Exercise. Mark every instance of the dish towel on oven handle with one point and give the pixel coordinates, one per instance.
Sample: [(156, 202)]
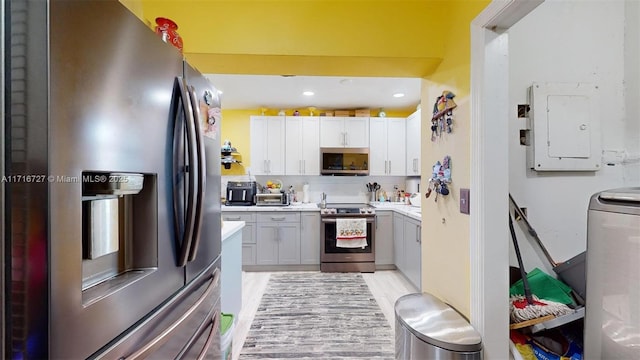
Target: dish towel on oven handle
[(351, 233)]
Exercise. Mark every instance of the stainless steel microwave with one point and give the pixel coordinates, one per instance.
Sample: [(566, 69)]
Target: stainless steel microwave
[(344, 161)]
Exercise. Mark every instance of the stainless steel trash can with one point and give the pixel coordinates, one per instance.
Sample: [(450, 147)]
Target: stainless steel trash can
[(427, 328)]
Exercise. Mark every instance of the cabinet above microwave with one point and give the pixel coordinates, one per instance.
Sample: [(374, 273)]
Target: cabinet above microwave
[(344, 132), (344, 161)]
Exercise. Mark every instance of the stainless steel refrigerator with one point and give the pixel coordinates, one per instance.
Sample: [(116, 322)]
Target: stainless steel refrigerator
[(110, 188)]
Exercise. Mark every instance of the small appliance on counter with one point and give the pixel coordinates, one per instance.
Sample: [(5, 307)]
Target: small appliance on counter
[(241, 193), (272, 199)]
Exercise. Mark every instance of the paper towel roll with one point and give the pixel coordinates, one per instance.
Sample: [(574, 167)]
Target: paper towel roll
[(412, 185), (305, 193)]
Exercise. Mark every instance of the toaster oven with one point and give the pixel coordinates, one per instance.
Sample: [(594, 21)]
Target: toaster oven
[(272, 199)]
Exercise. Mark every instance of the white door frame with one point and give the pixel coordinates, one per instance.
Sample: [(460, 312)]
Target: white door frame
[(489, 237)]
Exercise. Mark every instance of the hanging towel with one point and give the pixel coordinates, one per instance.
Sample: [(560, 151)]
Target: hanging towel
[(351, 233)]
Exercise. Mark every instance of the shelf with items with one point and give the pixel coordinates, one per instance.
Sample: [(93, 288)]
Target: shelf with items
[(229, 155), (228, 160)]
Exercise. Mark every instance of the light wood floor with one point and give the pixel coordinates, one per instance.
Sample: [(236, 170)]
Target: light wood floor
[(386, 287)]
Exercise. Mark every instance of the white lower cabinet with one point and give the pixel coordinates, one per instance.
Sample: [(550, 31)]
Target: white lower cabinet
[(398, 241), (413, 251), (278, 238), (309, 238), (248, 234), (249, 254), (384, 238)]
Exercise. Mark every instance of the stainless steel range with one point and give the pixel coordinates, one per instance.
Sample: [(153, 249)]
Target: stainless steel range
[(335, 256)]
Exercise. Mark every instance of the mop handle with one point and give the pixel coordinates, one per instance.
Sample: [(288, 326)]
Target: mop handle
[(533, 232), (523, 273)]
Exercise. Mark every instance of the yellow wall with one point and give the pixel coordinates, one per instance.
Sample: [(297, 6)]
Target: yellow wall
[(349, 37), (136, 7), (235, 127), (445, 231)]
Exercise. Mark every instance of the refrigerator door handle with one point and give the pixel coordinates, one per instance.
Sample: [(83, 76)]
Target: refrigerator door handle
[(185, 236), (210, 337), (201, 171), (144, 351)]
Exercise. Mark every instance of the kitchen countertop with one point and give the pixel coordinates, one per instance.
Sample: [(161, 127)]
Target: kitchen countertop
[(292, 207), (408, 210), (231, 227)]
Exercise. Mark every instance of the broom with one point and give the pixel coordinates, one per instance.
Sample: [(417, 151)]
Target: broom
[(529, 307)]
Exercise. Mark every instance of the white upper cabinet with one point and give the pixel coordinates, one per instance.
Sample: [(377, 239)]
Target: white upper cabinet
[(267, 145), (413, 143), (387, 151), (302, 145), (344, 132)]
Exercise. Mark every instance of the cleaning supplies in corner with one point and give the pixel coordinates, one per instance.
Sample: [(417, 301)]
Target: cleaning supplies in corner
[(544, 286), (529, 309)]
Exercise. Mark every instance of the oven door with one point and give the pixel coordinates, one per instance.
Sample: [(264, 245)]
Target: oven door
[(331, 253)]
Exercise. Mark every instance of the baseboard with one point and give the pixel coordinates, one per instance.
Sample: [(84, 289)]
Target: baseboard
[(386, 267), (257, 268)]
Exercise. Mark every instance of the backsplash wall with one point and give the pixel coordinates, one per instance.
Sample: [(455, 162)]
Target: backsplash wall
[(339, 189)]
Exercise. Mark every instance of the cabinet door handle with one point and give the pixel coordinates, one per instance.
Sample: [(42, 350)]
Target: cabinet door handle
[(389, 167), (304, 166), (385, 166), (232, 218), (280, 218), (264, 166), (346, 139)]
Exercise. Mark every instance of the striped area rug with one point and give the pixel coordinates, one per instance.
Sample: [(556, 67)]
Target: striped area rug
[(314, 315)]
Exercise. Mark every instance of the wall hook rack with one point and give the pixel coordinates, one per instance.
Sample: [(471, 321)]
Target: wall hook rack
[(440, 177), (442, 119)]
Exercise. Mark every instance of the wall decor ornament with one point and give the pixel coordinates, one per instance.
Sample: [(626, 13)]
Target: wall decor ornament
[(440, 177), (442, 119)]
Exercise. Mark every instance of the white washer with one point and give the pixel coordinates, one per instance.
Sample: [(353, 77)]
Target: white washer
[(612, 320)]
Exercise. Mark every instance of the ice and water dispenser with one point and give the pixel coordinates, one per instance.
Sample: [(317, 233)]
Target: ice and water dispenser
[(119, 240)]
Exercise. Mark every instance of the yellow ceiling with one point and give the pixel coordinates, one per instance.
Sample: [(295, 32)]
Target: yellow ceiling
[(310, 37)]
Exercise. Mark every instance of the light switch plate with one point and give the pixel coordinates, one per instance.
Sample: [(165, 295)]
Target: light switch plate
[(464, 201)]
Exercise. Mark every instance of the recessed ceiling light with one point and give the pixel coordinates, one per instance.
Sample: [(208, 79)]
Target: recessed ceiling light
[(398, 95), (308, 93)]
